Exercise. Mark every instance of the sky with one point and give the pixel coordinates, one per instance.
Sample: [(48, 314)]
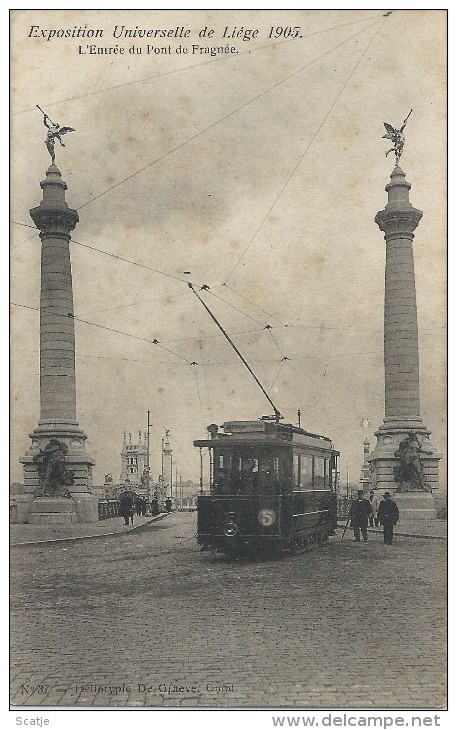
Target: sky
[(260, 173)]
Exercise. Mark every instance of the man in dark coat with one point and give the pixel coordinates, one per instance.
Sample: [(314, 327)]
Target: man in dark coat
[(388, 516), (126, 504), (359, 512)]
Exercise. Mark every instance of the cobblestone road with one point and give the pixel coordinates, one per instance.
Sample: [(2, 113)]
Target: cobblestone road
[(351, 625)]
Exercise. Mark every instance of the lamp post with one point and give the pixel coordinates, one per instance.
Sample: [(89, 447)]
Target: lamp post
[(148, 470), (162, 460)]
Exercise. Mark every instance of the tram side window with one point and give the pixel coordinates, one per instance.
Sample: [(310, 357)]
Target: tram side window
[(319, 477), (306, 479), (327, 480), (222, 467), (296, 474)]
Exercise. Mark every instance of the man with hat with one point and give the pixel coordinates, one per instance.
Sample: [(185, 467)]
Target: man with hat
[(374, 509), (388, 516), (359, 512)]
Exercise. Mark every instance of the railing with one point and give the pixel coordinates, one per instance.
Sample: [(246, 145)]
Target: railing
[(108, 508)]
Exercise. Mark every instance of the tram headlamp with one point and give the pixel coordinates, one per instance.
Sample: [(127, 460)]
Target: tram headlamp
[(230, 529), (266, 517)]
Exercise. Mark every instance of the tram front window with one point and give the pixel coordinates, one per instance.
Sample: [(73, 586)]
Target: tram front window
[(247, 473), (247, 478)]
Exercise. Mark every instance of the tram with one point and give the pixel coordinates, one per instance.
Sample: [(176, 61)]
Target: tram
[(272, 487)]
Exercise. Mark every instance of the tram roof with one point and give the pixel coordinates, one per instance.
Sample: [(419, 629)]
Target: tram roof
[(262, 432)]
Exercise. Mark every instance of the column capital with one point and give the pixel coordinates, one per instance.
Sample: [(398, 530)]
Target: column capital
[(53, 216), (398, 218), (398, 223), (54, 221)]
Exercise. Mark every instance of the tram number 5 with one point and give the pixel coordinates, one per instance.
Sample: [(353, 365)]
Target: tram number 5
[(285, 32)]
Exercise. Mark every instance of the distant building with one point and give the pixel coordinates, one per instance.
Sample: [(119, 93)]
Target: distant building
[(133, 459), (134, 474), (365, 478), (167, 463)]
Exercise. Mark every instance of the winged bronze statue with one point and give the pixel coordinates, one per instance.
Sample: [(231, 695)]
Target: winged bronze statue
[(55, 131), (397, 137)]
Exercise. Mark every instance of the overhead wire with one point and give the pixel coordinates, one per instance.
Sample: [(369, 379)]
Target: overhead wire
[(254, 304), (277, 414), (133, 304), (268, 329), (180, 278), (29, 238), (192, 66), (284, 360), (359, 61), (221, 119), (194, 365), (104, 327), (208, 289), (225, 283), (291, 174), (116, 256)]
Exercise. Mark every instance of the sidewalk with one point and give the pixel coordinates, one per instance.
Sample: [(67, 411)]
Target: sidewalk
[(35, 534), (429, 529)]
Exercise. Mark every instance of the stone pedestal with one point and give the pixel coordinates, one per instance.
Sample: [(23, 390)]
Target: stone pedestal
[(84, 505), (52, 511), (414, 504)]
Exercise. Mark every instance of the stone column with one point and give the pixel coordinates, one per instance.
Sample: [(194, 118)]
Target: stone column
[(402, 434), (167, 453), (365, 482), (58, 430)]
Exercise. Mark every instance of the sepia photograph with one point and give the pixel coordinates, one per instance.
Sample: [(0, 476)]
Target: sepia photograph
[(228, 374)]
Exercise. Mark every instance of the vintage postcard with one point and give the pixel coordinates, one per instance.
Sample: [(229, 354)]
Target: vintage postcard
[(228, 479)]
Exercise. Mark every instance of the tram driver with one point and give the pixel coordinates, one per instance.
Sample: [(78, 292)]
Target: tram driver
[(221, 482), (247, 480)]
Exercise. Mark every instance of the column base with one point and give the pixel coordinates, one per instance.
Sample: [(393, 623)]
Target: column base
[(415, 505), (38, 508), (418, 503), (52, 511)]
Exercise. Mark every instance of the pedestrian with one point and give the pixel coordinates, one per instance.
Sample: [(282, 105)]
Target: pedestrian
[(126, 505), (374, 509), (359, 512), (388, 515)]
